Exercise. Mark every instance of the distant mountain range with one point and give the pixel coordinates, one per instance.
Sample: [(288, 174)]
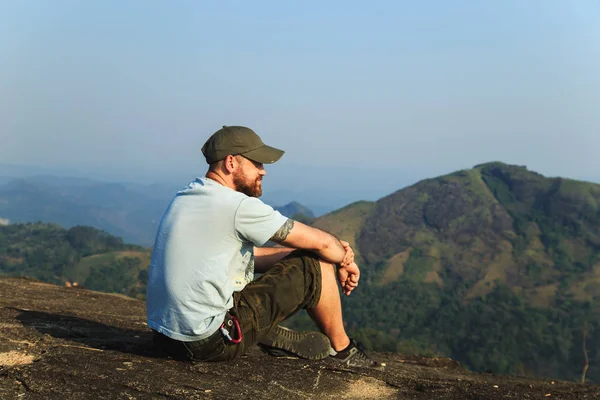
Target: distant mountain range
[(321, 189), (296, 210), (495, 266), (131, 211)]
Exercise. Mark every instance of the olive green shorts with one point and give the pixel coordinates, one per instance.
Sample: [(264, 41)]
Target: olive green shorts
[(292, 284)]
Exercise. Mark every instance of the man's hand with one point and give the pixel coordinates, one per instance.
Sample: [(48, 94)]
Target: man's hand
[(349, 257), (348, 277)]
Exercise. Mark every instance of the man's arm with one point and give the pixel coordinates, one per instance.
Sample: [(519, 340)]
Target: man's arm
[(326, 246), (300, 236), (266, 257)]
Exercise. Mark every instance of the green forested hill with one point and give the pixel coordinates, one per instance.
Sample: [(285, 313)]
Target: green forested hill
[(496, 266), (89, 257), (494, 223)]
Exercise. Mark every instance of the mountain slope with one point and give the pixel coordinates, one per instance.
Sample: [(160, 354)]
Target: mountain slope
[(492, 223), (496, 266), (83, 255), (346, 222), (295, 210)]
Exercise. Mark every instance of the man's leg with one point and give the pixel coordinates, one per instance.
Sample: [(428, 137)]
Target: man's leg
[(328, 315), (299, 281), (328, 312), (294, 283)]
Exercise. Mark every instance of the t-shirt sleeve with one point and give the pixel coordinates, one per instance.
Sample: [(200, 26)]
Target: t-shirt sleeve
[(256, 221)]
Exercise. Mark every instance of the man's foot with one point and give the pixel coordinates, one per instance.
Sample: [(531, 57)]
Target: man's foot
[(281, 341), (355, 356)]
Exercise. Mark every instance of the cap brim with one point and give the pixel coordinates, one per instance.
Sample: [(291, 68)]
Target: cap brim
[(265, 154)]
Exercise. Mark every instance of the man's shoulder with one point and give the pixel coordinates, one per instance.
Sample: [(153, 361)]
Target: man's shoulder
[(223, 197), (207, 187)]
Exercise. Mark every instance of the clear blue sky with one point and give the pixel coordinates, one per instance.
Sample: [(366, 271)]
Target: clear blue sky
[(387, 92)]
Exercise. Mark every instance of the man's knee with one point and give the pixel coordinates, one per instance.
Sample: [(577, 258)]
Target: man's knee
[(304, 268), (310, 260)]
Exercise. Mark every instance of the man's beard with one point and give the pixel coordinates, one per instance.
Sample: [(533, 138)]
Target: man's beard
[(246, 186)]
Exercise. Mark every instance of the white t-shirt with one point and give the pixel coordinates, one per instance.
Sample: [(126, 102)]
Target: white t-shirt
[(203, 252)]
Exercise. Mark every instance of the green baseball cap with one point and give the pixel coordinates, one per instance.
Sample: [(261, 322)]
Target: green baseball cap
[(239, 140)]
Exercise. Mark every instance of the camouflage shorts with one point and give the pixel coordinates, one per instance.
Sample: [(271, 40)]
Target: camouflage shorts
[(294, 283)]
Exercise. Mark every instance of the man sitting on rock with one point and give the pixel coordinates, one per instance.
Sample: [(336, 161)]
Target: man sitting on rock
[(202, 301)]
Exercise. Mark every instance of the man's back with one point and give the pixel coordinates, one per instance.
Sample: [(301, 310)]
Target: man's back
[(200, 258)]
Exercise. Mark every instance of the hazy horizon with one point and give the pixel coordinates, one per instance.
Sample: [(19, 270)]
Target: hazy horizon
[(320, 196)]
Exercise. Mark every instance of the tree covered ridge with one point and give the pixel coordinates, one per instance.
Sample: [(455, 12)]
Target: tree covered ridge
[(497, 267), (495, 222), (91, 257)]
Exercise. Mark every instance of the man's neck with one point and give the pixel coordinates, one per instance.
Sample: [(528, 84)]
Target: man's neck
[(217, 178)]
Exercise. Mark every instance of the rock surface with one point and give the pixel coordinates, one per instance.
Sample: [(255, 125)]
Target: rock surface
[(67, 343)]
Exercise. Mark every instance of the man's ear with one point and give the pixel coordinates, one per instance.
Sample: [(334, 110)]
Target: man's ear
[(230, 163)]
